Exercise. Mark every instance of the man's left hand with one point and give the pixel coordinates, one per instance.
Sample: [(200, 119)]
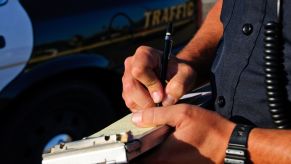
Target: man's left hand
[(200, 136)]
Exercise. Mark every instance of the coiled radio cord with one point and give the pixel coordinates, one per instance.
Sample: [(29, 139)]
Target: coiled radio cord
[(275, 79)]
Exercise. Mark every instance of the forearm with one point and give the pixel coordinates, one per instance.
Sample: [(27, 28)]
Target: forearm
[(200, 50), (270, 146)]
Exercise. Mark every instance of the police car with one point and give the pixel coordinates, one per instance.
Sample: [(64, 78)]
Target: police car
[(61, 63)]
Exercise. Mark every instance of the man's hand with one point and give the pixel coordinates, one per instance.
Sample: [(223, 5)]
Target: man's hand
[(141, 85), (200, 136)]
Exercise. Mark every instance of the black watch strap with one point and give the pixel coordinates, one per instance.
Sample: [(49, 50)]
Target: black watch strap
[(236, 152)]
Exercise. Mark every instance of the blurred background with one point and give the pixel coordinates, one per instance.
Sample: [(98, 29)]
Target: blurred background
[(61, 63)]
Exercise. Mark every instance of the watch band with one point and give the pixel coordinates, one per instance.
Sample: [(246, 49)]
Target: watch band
[(236, 152)]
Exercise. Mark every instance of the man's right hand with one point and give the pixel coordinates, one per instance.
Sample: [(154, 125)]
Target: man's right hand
[(141, 85)]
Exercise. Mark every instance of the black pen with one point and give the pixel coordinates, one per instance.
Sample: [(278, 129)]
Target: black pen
[(166, 56)]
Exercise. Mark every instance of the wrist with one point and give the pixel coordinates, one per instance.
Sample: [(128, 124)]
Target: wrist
[(200, 60), (217, 140), (225, 133), (237, 149), (188, 54)]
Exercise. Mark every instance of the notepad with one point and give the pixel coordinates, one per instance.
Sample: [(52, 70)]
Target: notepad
[(124, 125)]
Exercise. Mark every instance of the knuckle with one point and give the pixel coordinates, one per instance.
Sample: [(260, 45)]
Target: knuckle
[(123, 79), (124, 96), (130, 104), (142, 50), (128, 87), (144, 53), (185, 112), (127, 62), (128, 82), (176, 88), (187, 70), (137, 72)]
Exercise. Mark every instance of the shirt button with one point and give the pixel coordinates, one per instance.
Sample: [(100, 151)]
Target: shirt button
[(247, 29), (220, 101)]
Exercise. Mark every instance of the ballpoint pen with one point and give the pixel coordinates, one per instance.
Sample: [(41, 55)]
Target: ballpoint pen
[(166, 55)]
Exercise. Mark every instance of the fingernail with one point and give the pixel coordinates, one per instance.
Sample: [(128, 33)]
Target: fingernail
[(169, 100), (156, 97), (136, 117)]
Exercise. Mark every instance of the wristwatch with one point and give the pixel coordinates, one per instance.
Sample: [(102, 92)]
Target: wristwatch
[(237, 152)]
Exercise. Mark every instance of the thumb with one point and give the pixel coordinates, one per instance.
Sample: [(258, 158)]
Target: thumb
[(181, 82), (158, 116)]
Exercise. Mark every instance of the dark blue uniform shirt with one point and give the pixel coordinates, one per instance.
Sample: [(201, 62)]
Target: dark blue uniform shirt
[(239, 65)]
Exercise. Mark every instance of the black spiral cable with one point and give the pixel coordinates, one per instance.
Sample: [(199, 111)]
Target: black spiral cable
[(275, 79)]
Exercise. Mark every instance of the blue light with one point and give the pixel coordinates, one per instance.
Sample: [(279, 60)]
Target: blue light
[(61, 138)]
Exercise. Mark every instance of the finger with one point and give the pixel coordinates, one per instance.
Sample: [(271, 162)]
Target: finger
[(131, 105), (134, 94), (145, 63), (180, 83), (172, 116)]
